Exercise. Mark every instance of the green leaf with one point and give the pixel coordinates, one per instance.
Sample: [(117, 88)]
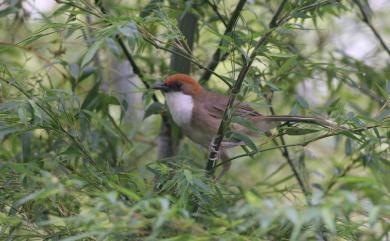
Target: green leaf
[(328, 218), (300, 15), (280, 55), (5, 130), (334, 105), (302, 102), (22, 114), (91, 100), (387, 87), (74, 70), (91, 53), (154, 108), (373, 216), (7, 220), (245, 123), (245, 139), (29, 197), (61, 10), (87, 71), (81, 236), (295, 131), (286, 66), (26, 145), (199, 183), (150, 7), (129, 30), (350, 135), (7, 11), (129, 193), (29, 40), (36, 108), (188, 175), (348, 147), (111, 44)]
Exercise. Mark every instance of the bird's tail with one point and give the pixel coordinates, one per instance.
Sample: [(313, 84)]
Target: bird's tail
[(294, 118)]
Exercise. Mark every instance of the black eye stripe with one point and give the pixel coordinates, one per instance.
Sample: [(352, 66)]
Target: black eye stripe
[(175, 86)]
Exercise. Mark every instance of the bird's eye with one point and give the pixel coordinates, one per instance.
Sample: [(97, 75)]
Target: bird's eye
[(176, 86)]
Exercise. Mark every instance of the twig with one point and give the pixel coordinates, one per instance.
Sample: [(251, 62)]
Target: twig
[(61, 128), (275, 18), (302, 144), (217, 57), (217, 140), (122, 134), (157, 46), (286, 153), (366, 19), (217, 54), (333, 180), (37, 54), (215, 9), (88, 39), (145, 37), (70, 3), (365, 90), (127, 53), (187, 23)]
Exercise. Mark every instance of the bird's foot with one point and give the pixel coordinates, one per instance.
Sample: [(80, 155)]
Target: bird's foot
[(225, 168), (217, 155), (213, 149)]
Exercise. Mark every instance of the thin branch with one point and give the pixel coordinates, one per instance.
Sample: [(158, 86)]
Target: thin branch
[(302, 144), (62, 130), (125, 138), (334, 178), (366, 19), (147, 39), (284, 149), (217, 140), (217, 57), (275, 18), (127, 53), (157, 46), (217, 54), (37, 54), (71, 3), (215, 9), (365, 90), (187, 24)]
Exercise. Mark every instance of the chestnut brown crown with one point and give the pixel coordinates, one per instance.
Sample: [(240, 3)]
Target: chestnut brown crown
[(180, 82)]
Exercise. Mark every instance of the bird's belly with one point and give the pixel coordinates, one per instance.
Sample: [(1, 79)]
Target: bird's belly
[(198, 136)]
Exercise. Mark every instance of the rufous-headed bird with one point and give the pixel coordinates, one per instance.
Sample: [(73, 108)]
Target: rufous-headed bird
[(198, 112)]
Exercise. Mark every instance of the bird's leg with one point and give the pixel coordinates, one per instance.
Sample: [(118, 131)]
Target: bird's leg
[(222, 154), (225, 165), (212, 158)]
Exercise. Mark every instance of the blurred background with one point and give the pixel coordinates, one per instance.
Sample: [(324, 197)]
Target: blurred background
[(89, 151)]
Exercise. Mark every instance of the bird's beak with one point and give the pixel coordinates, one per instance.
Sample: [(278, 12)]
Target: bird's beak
[(160, 86)]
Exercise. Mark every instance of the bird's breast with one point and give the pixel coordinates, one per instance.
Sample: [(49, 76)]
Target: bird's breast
[(180, 105)]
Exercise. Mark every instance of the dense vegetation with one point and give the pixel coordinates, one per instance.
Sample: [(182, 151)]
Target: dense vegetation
[(89, 150)]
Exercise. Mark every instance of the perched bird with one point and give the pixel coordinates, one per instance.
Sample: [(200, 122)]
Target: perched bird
[(198, 112)]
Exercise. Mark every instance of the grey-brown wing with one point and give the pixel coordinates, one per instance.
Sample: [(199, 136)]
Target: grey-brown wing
[(217, 105)]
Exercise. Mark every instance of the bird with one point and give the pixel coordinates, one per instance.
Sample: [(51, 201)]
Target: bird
[(198, 112)]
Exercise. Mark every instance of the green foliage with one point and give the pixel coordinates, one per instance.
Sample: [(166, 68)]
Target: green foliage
[(77, 158)]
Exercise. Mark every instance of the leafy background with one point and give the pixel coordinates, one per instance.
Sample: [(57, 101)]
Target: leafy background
[(89, 152)]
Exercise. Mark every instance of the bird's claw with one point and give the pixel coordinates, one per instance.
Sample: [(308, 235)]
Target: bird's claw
[(213, 149)]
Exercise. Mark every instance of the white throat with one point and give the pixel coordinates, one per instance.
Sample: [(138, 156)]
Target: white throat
[(180, 105)]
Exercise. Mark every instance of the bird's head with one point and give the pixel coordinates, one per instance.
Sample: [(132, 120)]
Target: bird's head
[(179, 83)]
